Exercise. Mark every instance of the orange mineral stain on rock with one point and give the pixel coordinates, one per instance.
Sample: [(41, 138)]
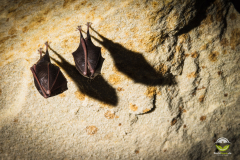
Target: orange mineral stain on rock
[(151, 91), (91, 130), (194, 55), (120, 89), (172, 20), (5, 39), (62, 95), (47, 10), (162, 69), (233, 16), (234, 39), (202, 118), (134, 29), (201, 98), (67, 3), (114, 79), (133, 107), (159, 93), (109, 115), (213, 56), (146, 110), (174, 121), (178, 48), (79, 95), (80, 5), (7, 58), (192, 75), (65, 44), (12, 31), (201, 88), (224, 52), (219, 73), (180, 109), (207, 21), (204, 47), (183, 38), (224, 42), (105, 105), (23, 44), (136, 151), (34, 23)]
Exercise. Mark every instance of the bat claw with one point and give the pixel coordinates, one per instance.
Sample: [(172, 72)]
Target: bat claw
[(40, 50), (89, 24), (46, 43), (79, 28)]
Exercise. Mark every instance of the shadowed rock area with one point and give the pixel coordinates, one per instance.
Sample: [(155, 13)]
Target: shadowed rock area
[(169, 86)]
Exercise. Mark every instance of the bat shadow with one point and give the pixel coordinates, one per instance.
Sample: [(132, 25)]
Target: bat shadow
[(133, 64), (236, 5), (98, 88)]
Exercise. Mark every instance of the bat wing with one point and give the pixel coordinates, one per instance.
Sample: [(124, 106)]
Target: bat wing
[(94, 54), (48, 79), (57, 81), (80, 57), (37, 83)]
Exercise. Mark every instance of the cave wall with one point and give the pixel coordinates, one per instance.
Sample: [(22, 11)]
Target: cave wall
[(169, 85)]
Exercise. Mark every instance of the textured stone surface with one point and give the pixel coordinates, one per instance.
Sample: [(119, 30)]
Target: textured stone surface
[(169, 86)]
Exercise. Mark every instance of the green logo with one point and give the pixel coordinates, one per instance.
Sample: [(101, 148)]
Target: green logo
[(222, 149), (225, 143)]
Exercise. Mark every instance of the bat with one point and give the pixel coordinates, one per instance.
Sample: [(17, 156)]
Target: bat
[(87, 57), (48, 78)]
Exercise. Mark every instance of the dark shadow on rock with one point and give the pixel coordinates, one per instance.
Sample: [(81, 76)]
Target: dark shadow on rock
[(98, 88), (133, 64), (201, 6), (236, 4)]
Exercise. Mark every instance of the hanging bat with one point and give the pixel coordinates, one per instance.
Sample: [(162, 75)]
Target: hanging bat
[(87, 57), (48, 78)]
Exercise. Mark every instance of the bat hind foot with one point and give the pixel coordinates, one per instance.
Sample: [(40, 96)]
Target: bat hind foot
[(79, 28), (89, 24), (40, 50)]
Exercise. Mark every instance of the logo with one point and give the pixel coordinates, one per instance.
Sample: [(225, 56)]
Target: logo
[(222, 145)]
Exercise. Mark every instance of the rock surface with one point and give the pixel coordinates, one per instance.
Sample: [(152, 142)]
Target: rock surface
[(169, 88)]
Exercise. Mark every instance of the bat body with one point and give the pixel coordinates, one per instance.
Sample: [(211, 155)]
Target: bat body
[(48, 78), (87, 57)]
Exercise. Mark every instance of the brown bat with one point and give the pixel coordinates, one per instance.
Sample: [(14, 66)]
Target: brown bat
[(87, 57), (48, 78)]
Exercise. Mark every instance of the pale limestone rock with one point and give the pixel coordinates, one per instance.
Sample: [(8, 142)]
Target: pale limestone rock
[(169, 86)]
